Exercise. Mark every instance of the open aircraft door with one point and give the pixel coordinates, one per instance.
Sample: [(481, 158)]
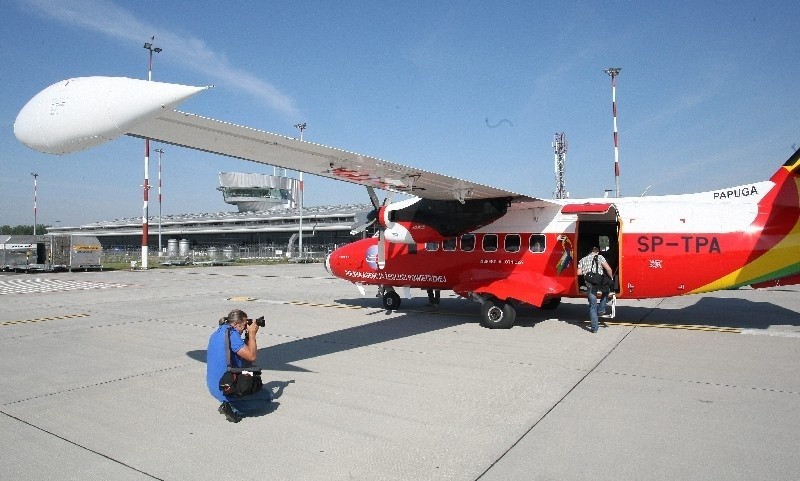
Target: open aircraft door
[(597, 225)]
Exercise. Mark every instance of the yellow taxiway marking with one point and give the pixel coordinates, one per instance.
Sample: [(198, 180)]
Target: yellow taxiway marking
[(686, 327), (42, 319), (316, 304)]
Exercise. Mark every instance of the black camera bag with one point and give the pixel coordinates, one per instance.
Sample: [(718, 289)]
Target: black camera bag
[(239, 381)]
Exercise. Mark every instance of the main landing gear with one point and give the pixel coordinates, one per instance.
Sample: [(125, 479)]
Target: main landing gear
[(497, 314)]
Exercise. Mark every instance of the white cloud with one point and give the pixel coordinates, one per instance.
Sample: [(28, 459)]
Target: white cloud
[(109, 19)]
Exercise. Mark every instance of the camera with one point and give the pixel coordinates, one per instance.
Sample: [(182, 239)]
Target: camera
[(259, 322)]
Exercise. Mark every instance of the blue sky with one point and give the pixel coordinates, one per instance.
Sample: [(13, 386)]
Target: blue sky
[(707, 97)]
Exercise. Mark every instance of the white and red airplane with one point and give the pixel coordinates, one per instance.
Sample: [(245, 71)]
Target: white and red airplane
[(490, 245)]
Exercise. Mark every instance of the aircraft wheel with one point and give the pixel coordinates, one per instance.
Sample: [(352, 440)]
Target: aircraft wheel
[(551, 303), (391, 301), (497, 314)]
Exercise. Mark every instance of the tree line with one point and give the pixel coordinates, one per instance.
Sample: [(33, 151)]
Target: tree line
[(23, 229)]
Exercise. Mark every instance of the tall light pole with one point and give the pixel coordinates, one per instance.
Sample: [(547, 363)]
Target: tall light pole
[(613, 72), (301, 127), (160, 152), (35, 175), (146, 186)]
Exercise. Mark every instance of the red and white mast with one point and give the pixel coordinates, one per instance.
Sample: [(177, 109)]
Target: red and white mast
[(146, 186), (613, 72)]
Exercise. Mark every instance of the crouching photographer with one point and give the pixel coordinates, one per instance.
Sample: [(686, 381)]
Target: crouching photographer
[(229, 360)]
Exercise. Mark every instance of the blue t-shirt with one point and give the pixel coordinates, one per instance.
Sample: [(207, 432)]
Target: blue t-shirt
[(216, 362)]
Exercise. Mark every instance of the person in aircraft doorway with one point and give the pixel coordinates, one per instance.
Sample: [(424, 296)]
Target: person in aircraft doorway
[(594, 267), (433, 297)]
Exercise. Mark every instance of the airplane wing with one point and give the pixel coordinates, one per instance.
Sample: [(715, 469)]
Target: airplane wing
[(209, 135), (80, 113)]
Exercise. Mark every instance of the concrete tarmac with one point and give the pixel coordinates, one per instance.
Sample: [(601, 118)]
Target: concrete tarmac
[(103, 377)]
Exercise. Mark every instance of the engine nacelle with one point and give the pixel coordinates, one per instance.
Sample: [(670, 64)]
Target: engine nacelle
[(417, 221)]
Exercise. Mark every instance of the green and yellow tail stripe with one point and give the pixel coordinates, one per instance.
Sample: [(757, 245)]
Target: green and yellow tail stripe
[(771, 264), (793, 164)]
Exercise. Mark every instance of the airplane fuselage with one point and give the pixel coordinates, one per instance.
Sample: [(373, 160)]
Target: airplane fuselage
[(658, 246)]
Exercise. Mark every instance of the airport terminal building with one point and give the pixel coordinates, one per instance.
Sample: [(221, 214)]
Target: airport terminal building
[(323, 228), (268, 216)]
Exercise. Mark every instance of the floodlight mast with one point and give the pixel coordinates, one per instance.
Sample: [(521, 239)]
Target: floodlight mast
[(301, 127), (35, 175), (613, 72), (146, 186), (160, 152)]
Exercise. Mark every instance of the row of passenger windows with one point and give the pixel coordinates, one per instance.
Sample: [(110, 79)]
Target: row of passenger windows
[(489, 243)]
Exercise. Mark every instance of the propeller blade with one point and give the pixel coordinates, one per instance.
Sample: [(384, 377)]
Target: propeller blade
[(381, 250), (361, 289), (373, 197), (363, 220)]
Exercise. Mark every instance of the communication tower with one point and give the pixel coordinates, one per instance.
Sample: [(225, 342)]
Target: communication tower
[(560, 151)]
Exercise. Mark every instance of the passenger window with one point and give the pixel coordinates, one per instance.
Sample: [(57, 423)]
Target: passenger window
[(604, 243), (468, 242), (431, 246), (489, 242), (512, 242), (449, 244), (537, 243)]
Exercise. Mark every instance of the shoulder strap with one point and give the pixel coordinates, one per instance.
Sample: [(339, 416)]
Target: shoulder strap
[(594, 263), (228, 346)]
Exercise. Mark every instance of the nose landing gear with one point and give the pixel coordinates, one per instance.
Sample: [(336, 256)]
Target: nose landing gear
[(391, 299)]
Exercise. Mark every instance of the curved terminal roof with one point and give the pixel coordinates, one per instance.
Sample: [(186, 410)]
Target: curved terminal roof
[(322, 218)]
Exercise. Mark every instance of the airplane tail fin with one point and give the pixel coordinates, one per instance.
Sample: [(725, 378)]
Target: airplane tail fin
[(779, 264), (792, 165)]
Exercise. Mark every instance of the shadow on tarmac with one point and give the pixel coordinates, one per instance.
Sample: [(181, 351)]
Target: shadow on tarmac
[(260, 403), (416, 319), (280, 357)]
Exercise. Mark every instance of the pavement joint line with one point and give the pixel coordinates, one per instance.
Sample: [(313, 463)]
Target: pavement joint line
[(43, 319), (557, 404), (705, 383), (99, 383), (27, 423)]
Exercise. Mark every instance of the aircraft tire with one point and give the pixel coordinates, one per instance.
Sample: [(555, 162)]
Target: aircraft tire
[(496, 314), (551, 303), (391, 301)]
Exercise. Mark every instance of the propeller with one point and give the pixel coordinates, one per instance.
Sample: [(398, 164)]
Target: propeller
[(364, 220)]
